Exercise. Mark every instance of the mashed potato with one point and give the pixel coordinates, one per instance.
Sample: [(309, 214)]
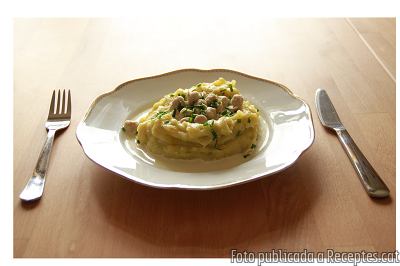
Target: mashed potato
[(208, 121)]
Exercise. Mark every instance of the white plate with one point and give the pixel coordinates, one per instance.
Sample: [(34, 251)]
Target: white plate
[(287, 124)]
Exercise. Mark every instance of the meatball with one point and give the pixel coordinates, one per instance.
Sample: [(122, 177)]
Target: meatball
[(211, 113), (210, 98), (220, 108), (224, 100), (175, 103), (237, 100), (193, 97), (131, 126), (185, 111), (200, 102), (201, 119)]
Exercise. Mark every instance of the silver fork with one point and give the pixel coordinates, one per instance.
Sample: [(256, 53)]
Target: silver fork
[(59, 118)]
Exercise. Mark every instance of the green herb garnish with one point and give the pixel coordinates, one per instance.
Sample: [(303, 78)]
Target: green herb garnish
[(214, 103), (253, 146), (230, 87), (246, 155), (180, 107), (161, 113), (123, 128), (209, 124), (216, 139), (239, 133), (239, 120), (201, 106), (249, 120), (214, 134)]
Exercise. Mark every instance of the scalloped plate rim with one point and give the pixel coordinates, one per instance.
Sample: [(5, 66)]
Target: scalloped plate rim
[(142, 181)]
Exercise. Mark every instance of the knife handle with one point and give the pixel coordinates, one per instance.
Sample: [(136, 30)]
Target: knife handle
[(373, 184)]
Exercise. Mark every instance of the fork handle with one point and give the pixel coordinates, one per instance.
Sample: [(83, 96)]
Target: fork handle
[(34, 188), (372, 182)]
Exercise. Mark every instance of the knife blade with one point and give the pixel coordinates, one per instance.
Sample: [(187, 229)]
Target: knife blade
[(373, 184)]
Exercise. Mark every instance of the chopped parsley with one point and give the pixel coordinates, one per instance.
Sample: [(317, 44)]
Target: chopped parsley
[(249, 120), (201, 106), (180, 107), (239, 120), (253, 146), (214, 134), (216, 139), (161, 113), (183, 95), (214, 103), (229, 114), (210, 124)]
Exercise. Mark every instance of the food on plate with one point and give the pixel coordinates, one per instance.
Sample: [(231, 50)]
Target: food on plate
[(208, 121)]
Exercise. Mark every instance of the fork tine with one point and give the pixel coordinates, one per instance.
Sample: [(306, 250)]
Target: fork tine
[(69, 104), (63, 108), (58, 102), (51, 110), (63, 103)]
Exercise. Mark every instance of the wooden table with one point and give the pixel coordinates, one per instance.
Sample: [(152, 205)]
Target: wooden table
[(317, 204)]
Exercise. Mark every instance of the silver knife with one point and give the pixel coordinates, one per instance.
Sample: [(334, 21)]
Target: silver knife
[(373, 184)]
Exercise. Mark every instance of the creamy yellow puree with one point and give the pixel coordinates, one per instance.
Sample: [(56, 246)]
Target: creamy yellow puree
[(169, 129)]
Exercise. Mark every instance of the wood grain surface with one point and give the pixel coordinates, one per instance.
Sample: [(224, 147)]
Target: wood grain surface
[(317, 204)]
